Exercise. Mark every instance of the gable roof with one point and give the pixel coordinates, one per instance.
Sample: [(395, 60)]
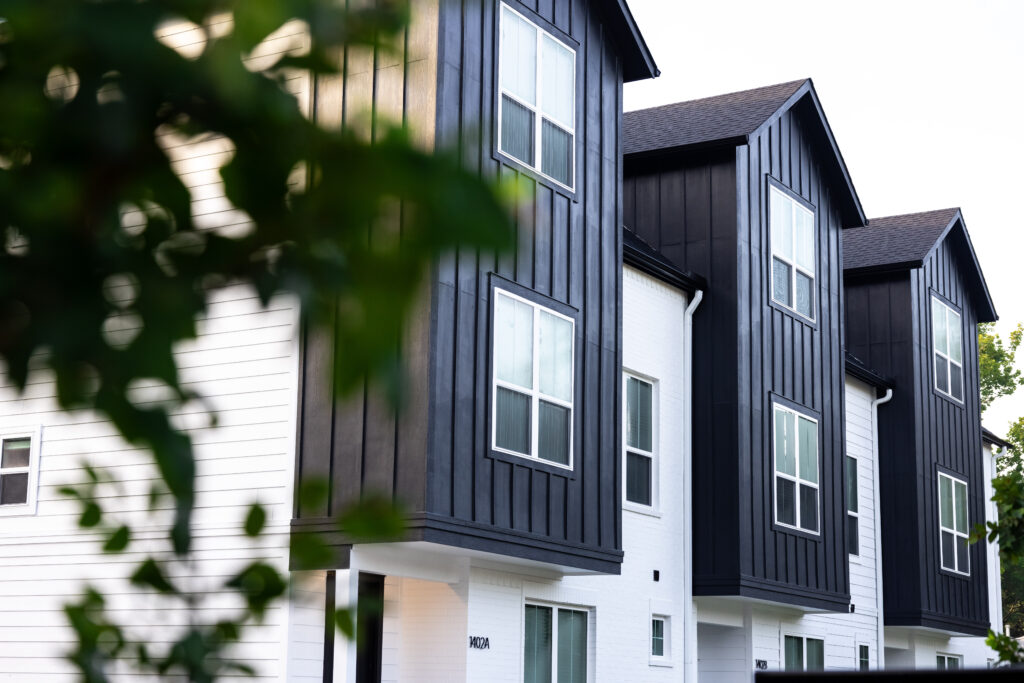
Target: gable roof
[(733, 119), (904, 242), (637, 61)]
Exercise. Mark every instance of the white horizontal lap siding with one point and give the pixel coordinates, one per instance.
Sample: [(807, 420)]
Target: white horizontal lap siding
[(245, 362)]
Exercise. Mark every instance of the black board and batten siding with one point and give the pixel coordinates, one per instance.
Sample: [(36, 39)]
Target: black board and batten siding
[(706, 210), (921, 433), (437, 459)]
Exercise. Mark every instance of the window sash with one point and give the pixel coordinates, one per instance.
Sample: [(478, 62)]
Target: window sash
[(799, 477), (28, 472), (863, 657), (801, 259), (541, 111), (659, 636), (951, 337), (953, 509), (534, 393), (852, 506), (639, 439), (563, 656)]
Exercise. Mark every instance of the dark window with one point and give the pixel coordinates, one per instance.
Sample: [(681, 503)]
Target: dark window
[(852, 511), (639, 430), (15, 462)]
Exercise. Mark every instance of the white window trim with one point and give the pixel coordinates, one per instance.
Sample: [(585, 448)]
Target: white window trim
[(538, 124), (959, 659), (665, 659), (555, 606), (946, 356), (851, 513), (654, 508), (802, 636), (856, 655), (796, 479), (534, 393), (956, 534), (34, 434), (793, 267)]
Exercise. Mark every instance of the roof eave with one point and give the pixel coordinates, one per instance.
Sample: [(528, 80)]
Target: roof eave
[(990, 437), (686, 149), (987, 314), (637, 60), (650, 261), (882, 268), (856, 368)]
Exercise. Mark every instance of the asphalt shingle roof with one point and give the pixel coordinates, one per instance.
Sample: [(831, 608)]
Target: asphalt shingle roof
[(705, 120), (894, 239)]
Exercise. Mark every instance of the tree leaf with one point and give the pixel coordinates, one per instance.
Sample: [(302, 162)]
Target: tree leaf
[(255, 520)]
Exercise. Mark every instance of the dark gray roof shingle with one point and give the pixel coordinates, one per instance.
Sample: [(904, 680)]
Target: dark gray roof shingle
[(895, 239), (706, 120)]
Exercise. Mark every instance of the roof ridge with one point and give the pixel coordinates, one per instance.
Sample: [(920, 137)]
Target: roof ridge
[(796, 83), (932, 212)]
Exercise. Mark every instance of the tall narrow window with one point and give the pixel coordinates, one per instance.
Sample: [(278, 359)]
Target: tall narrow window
[(793, 253), (948, 350), (953, 524), (533, 380), (19, 464), (852, 507), (639, 429), (804, 654), (863, 657), (796, 470), (537, 107), (555, 645)]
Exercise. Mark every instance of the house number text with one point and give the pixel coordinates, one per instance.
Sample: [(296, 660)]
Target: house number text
[(479, 643)]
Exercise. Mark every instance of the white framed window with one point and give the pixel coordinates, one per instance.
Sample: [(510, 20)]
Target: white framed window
[(947, 347), (537, 104), (945, 661), (793, 252), (953, 524), (804, 653), (555, 644), (852, 507), (532, 380), (796, 469), (638, 434), (863, 657), (19, 471), (661, 639)]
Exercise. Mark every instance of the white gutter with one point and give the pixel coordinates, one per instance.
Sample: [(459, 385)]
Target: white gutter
[(880, 636), (689, 611)]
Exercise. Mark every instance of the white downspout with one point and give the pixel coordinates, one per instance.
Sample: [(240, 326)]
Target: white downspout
[(880, 646), (689, 612)]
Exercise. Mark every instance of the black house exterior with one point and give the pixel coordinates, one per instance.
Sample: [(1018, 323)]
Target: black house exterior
[(750, 191), (489, 456), (915, 294)]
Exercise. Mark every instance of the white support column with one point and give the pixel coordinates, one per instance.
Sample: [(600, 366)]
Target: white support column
[(346, 591)]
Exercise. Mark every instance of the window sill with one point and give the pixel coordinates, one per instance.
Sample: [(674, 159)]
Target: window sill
[(661, 662), (21, 510), (536, 175), (954, 574), (792, 313), (794, 531), (533, 463), (641, 509), (946, 397)]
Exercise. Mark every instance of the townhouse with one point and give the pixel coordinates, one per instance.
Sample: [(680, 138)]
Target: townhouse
[(668, 437)]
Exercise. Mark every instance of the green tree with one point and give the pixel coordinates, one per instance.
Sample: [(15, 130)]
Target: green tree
[(998, 373), (88, 93)]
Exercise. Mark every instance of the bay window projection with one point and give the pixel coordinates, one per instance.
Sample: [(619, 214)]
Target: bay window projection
[(533, 380), (792, 237), (639, 432), (555, 645), (796, 470), (947, 349), (537, 107), (953, 526)]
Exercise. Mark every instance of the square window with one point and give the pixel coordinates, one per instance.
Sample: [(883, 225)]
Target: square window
[(944, 661), (639, 437), (796, 469), (533, 380), (537, 117), (19, 464), (947, 348), (793, 252), (804, 654), (953, 524), (555, 645)]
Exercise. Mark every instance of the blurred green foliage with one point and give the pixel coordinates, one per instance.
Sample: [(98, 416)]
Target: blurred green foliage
[(347, 227)]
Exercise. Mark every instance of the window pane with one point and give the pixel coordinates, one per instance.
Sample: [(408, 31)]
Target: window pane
[(815, 654), (939, 326), (553, 440), (785, 501), (941, 373), (781, 284), (513, 341), (808, 508), (556, 152), (960, 497), (961, 554), (559, 87), (853, 534), (572, 646), (952, 663), (865, 657), (794, 654), (954, 337), (805, 239), (14, 489), (948, 561), (956, 381), (518, 56), (808, 450), (946, 502), (782, 224), (638, 478), (513, 417), (555, 356), (15, 453), (851, 484), (537, 657), (785, 446), (804, 295), (639, 408), (940, 662), (517, 130), (658, 638)]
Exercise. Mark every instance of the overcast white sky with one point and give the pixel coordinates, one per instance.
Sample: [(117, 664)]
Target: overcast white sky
[(925, 97)]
